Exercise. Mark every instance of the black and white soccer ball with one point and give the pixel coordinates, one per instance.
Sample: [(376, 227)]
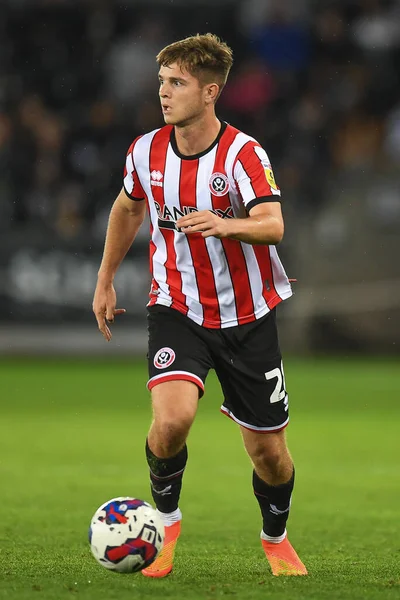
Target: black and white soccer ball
[(126, 535)]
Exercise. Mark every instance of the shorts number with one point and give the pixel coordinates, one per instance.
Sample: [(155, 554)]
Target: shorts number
[(279, 392)]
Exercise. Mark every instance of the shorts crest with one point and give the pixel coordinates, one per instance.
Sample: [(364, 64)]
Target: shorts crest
[(164, 358)]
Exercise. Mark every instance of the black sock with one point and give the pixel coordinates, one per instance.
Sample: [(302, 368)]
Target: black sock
[(274, 501), (166, 478)]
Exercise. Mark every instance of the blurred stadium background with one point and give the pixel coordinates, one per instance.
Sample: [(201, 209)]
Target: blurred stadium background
[(316, 82)]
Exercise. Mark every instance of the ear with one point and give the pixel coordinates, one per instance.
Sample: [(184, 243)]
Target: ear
[(211, 92)]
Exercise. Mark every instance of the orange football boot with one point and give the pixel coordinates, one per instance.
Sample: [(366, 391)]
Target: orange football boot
[(283, 558), (163, 564)]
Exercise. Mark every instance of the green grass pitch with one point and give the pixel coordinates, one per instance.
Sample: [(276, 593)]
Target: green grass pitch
[(72, 436)]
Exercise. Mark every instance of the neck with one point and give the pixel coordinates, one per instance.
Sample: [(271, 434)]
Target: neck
[(197, 137)]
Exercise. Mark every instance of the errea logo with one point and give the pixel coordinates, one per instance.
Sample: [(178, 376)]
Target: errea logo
[(156, 178)]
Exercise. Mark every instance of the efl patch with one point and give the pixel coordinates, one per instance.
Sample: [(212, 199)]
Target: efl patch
[(218, 184), (269, 173), (264, 160), (164, 358), (270, 178)]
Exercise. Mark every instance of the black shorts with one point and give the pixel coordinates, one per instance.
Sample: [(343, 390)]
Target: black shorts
[(246, 359)]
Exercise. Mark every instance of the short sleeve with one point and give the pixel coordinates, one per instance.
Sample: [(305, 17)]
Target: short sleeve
[(254, 177), (132, 185)]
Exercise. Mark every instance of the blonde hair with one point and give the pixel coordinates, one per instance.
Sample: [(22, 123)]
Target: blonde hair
[(204, 56)]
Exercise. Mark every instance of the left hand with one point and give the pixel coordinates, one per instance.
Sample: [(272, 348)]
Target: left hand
[(205, 222)]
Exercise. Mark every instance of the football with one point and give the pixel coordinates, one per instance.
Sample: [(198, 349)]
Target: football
[(126, 535)]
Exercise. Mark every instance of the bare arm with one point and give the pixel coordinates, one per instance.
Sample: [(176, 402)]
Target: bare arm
[(264, 225), (125, 219)]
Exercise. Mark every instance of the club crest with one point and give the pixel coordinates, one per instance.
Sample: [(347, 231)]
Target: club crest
[(164, 358), (218, 184)]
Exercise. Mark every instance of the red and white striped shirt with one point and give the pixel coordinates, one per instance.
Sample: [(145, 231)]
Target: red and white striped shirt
[(215, 282)]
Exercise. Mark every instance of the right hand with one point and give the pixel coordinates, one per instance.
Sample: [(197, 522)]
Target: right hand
[(104, 302)]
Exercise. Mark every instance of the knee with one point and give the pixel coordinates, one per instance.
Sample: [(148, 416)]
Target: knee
[(174, 409), (168, 434), (169, 426), (271, 459), (266, 457)]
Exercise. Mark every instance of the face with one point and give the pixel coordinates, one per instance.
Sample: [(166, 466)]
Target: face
[(183, 99)]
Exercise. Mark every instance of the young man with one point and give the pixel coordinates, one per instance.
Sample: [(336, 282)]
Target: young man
[(216, 280)]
